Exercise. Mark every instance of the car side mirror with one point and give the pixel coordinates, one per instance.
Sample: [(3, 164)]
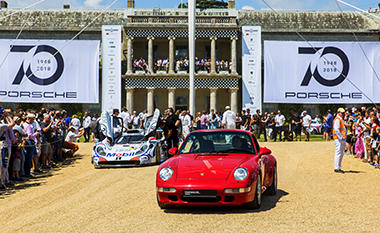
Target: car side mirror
[(264, 151), (173, 151)]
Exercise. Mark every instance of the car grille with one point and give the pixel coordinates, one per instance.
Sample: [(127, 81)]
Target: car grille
[(120, 163), (201, 199)]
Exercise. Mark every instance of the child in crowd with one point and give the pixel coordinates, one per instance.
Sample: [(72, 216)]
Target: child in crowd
[(377, 151), (374, 136), (359, 145), (16, 157)]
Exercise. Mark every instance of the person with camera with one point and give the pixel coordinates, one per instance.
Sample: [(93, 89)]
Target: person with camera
[(6, 125), (349, 123), (30, 143), (47, 136)]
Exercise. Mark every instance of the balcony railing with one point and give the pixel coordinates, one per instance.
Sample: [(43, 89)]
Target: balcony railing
[(182, 20)]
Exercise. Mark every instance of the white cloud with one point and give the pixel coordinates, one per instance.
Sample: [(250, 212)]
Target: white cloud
[(93, 3), (250, 8)]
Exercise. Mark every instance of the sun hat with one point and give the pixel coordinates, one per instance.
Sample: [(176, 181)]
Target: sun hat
[(341, 110), (31, 115)]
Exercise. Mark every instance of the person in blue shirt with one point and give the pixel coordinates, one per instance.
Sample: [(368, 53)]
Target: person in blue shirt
[(328, 119), (66, 118)]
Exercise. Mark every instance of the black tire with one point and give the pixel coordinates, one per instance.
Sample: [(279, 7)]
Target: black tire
[(272, 190), (255, 204), (162, 205)]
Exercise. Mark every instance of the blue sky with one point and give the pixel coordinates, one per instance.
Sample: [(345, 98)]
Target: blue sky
[(240, 4)]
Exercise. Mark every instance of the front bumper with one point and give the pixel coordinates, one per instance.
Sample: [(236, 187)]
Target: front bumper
[(220, 199)]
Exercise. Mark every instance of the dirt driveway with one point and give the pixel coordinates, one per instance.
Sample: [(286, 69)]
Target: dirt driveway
[(311, 198)]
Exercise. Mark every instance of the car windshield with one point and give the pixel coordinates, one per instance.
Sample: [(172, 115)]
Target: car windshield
[(130, 139), (218, 141)]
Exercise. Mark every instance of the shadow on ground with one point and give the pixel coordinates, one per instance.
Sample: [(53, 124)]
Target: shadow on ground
[(38, 180), (268, 203)]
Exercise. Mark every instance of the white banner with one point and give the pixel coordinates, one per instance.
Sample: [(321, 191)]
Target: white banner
[(111, 67), (326, 72), (251, 50), (57, 74)]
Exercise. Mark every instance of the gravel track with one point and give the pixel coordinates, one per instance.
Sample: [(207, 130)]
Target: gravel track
[(311, 198)]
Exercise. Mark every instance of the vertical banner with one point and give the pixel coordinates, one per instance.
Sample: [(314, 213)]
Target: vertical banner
[(111, 67), (251, 50)]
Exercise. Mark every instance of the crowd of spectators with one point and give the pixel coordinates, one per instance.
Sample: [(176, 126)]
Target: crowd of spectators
[(33, 142), (181, 64)]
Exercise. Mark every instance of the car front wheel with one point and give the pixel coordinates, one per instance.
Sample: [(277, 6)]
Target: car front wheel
[(273, 187), (255, 204)]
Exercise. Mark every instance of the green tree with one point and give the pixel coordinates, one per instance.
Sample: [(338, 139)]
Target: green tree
[(71, 108), (203, 4)]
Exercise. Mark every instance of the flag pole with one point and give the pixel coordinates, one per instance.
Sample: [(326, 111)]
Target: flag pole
[(191, 15)]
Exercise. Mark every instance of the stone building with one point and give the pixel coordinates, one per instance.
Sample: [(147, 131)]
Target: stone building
[(162, 33)]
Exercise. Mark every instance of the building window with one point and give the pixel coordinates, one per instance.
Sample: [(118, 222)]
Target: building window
[(207, 103), (181, 103), (181, 51)]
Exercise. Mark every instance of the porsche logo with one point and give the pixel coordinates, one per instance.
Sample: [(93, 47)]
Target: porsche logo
[(202, 174)]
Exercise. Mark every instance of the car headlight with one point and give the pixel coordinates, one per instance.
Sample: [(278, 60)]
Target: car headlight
[(142, 149), (101, 151), (241, 173), (166, 173)]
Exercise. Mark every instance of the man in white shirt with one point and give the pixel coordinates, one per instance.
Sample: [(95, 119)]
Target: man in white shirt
[(186, 123), (135, 121), (306, 122), (76, 123), (229, 118), (279, 119), (87, 123), (228, 121), (125, 116), (69, 141)]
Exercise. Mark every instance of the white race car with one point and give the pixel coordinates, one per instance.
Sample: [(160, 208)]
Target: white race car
[(315, 127), (131, 148)]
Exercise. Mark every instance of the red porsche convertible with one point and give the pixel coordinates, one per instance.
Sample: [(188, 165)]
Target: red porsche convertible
[(221, 167)]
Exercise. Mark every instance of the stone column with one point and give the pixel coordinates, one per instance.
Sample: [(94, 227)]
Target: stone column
[(171, 97), (213, 91), (129, 55), (150, 54), (150, 100), (234, 102), (233, 54), (171, 54), (130, 99), (213, 54)]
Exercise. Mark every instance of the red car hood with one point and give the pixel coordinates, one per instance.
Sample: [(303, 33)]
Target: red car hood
[(209, 167)]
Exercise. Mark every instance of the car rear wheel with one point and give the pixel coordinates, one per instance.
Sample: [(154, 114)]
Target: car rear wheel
[(255, 204), (273, 187), (162, 205)]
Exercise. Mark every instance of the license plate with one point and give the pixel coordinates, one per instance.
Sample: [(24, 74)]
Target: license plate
[(199, 193)]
